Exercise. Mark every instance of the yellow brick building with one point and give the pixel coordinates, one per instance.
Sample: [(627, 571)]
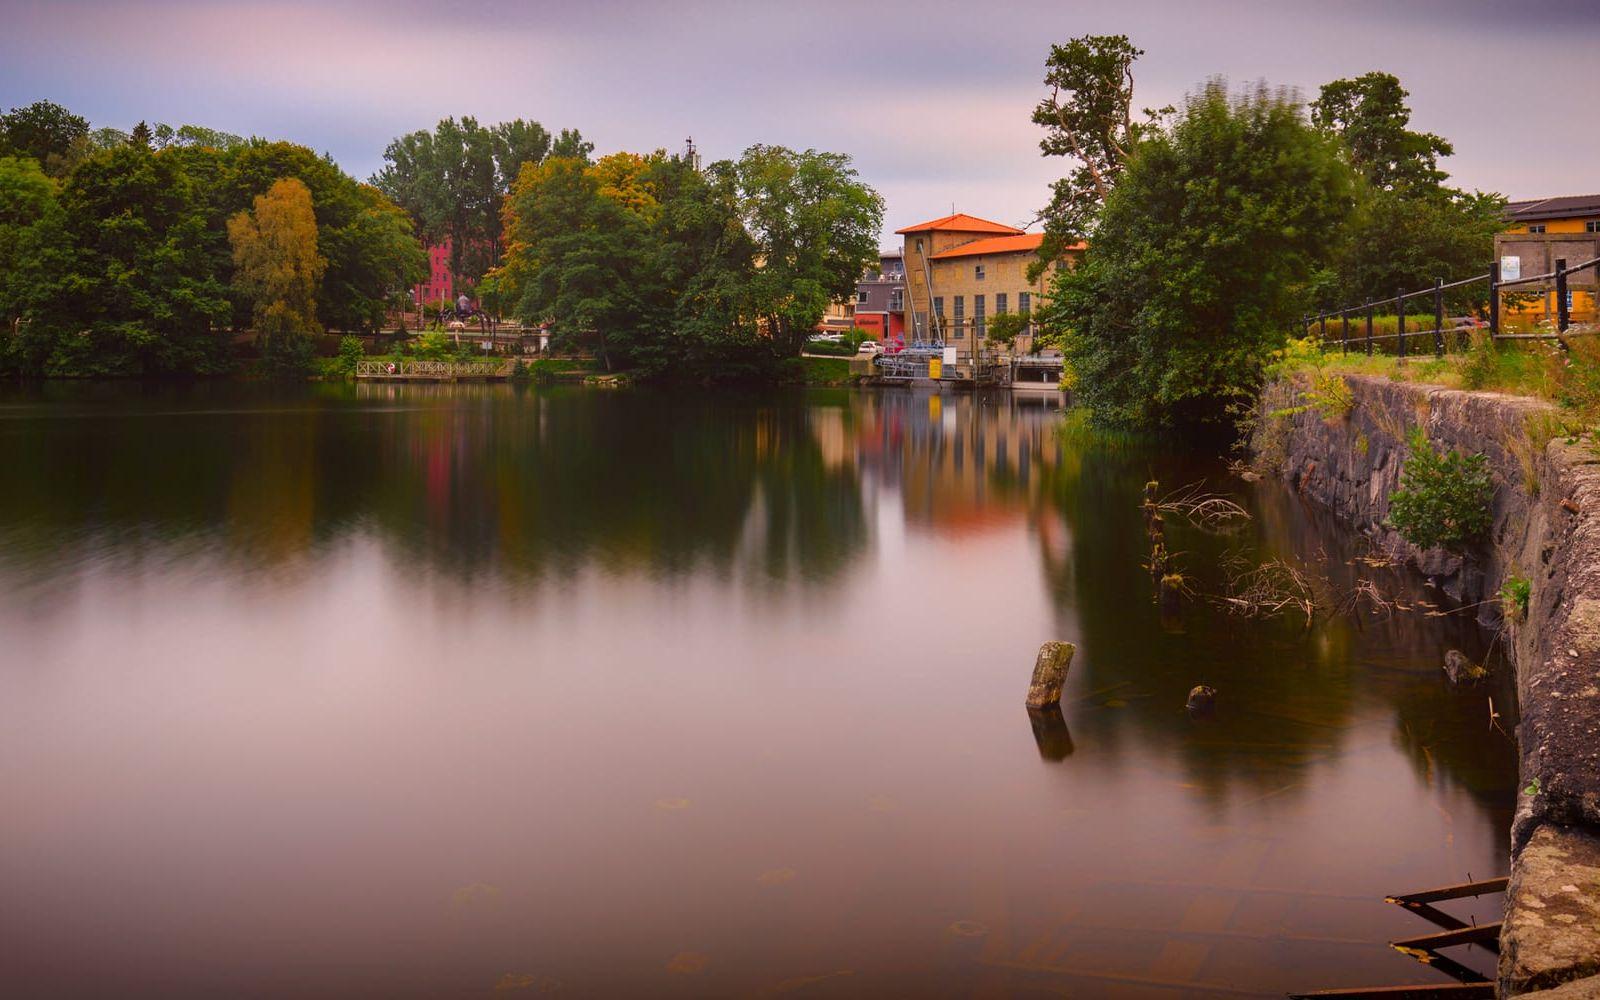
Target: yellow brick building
[(1540, 231), (962, 270)]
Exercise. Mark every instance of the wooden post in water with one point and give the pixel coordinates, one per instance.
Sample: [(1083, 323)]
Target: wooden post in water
[(1050, 673)]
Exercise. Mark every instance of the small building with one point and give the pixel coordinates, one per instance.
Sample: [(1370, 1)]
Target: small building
[(962, 270), (880, 298), (1539, 232)]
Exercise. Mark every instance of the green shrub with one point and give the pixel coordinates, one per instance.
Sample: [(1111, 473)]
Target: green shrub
[(1443, 499), (520, 372), (350, 352), (1514, 597)]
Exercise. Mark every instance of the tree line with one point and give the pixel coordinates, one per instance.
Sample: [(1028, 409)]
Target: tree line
[(1212, 227), (148, 252)]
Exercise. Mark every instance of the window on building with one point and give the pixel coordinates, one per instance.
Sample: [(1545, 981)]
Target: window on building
[(897, 299), (960, 315), (1024, 300), (999, 303), (1536, 227), (977, 272), (918, 244), (1592, 226), (977, 314), (938, 305), (861, 297)]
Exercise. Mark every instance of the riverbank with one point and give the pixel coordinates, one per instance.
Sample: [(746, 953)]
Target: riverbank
[(1345, 449)]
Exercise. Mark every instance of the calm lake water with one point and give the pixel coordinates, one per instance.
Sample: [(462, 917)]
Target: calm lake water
[(477, 691)]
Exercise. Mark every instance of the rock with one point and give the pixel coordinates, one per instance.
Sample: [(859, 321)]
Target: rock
[(1577, 989), (1202, 700), (1049, 673), (1461, 670), (1552, 924)]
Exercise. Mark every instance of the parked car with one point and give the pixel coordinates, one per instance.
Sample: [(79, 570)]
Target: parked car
[(869, 348), (832, 338)]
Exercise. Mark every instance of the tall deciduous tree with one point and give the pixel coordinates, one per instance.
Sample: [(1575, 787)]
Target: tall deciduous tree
[(276, 264), (32, 258), (453, 181), (1088, 118), (815, 227), (141, 294), (45, 131), (1195, 270), (1409, 227), (1370, 114)]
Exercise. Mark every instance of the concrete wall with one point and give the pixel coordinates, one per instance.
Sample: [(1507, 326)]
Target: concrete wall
[(1546, 529)]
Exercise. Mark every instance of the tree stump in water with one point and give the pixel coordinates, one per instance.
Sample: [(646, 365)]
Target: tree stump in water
[(1202, 700), (1049, 673)]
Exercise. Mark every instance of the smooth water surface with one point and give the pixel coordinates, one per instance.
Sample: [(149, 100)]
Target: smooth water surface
[(476, 691)]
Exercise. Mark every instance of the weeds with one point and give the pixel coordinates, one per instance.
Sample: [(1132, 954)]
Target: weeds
[(1514, 596)]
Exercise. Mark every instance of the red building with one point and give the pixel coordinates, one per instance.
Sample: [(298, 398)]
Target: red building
[(438, 284)]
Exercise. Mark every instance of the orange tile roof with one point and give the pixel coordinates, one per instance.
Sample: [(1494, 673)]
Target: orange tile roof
[(1024, 243), (961, 223)]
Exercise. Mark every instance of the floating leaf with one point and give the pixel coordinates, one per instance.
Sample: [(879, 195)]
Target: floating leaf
[(776, 876), (968, 928), (687, 963)]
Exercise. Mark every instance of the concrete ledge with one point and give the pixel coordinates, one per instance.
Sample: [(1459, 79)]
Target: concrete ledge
[(1552, 920)]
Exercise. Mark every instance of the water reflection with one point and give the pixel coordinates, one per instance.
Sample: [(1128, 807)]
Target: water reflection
[(437, 691)]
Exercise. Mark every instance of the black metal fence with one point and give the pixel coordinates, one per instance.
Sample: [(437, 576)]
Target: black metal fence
[(1561, 277)]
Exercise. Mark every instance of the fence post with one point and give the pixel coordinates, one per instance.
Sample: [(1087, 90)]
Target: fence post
[(1494, 299), (1562, 315), (1322, 329), (1400, 314), (1344, 335), (1438, 317), (1370, 307)]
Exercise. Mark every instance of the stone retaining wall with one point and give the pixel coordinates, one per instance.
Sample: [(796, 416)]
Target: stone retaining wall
[(1547, 530)]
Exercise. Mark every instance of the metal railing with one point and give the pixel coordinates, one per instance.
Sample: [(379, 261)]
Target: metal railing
[(1561, 277), (429, 369)]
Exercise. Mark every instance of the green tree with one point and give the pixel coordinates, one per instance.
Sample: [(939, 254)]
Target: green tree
[(32, 260), (140, 294), (576, 259), (1088, 118), (1004, 328), (371, 250), (278, 268), (815, 228), (1193, 273), (1370, 114), (1409, 228), (453, 182), (45, 131)]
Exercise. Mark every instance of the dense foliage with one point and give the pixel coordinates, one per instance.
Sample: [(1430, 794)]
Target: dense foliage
[(1408, 228), (675, 271), (1444, 499), (453, 182), (1192, 274), (279, 268), (124, 265)]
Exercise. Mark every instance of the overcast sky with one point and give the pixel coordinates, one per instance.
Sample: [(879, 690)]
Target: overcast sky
[(932, 98)]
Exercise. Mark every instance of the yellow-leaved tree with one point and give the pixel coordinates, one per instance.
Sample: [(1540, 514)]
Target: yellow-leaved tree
[(277, 266)]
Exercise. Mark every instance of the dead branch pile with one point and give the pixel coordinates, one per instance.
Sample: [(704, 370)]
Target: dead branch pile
[(1267, 590), (1209, 510)]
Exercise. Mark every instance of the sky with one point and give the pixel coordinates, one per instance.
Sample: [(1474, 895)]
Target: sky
[(931, 99)]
